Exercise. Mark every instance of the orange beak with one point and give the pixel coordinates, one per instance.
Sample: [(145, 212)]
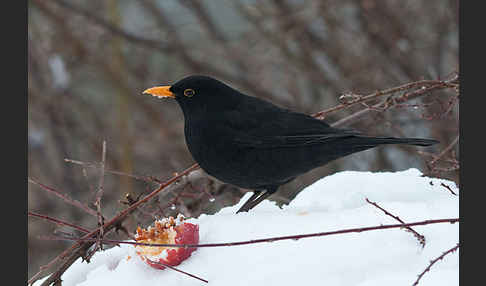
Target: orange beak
[(160, 91)]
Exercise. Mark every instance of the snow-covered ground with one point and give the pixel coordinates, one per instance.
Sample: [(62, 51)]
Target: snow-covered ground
[(383, 257)]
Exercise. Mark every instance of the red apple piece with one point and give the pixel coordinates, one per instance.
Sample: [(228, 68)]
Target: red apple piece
[(167, 231)]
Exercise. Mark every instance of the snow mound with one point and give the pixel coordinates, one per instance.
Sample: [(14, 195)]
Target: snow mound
[(383, 257)]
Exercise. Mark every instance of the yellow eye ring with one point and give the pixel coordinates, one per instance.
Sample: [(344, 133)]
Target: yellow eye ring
[(189, 92)]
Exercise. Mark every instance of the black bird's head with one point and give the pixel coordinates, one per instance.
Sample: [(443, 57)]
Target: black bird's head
[(198, 93)]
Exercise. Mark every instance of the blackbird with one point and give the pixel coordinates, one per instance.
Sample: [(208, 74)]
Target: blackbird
[(254, 144)]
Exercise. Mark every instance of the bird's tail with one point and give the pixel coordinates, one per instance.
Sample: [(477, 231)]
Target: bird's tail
[(407, 141)]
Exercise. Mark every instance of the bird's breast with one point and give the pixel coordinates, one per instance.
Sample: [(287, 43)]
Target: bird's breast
[(206, 145), (215, 153)]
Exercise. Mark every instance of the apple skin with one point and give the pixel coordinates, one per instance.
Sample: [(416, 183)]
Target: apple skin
[(187, 233)]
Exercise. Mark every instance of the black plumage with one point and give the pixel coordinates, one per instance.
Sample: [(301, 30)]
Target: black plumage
[(254, 144)]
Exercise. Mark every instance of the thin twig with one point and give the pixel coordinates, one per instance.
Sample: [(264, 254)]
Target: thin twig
[(273, 239), (64, 197), (148, 179), (448, 188), (178, 270), (97, 202), (420, 237), (444, 152), (360, 99), (386, 104), (58, 221), (433, 262), (61, 235)]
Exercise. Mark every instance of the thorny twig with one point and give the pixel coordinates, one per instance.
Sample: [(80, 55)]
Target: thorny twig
[(355, 99), (432, 262), (420, 237), (390, 102), (273, 239)]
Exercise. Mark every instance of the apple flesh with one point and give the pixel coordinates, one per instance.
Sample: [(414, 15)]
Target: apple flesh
[(167, 231)]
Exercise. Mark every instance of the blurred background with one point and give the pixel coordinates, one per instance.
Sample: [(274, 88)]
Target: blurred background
[(89, 61)]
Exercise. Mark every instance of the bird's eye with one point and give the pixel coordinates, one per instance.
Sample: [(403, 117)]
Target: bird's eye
[(189, 92)]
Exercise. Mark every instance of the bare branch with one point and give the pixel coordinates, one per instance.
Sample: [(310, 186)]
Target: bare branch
[(360, 99), (148, 179), (420, 237), (58, 221), (444, 152), (448, 188), (290, 237), (178, 270), (97, 202), (386, 104), (433, 262), (64, 197)]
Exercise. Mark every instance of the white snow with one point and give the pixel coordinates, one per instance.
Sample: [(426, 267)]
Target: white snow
[(383, 257)]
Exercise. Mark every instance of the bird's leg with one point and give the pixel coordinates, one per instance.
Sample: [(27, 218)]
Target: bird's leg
[(258, 200), (254, 200), (256, 193)]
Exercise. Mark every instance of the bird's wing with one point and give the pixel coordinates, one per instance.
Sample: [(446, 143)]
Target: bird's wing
[(281, 128), (286, 141)]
